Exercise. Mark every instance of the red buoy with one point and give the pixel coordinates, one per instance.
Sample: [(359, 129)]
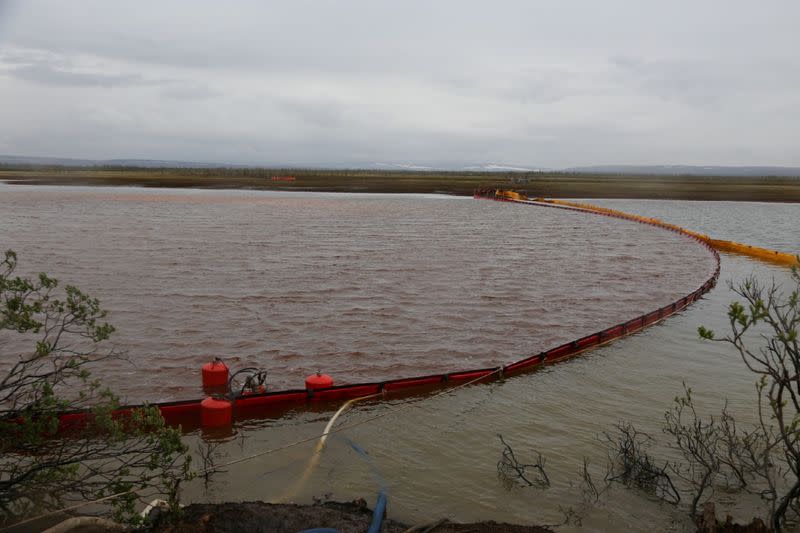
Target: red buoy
[(216, 413), (318, 381), (215, 374)]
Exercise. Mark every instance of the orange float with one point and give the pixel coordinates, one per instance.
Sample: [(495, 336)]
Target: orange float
[(215, 374), (318, 381)]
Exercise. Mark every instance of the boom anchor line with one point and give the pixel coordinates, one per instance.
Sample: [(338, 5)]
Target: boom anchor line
[(321, 392)]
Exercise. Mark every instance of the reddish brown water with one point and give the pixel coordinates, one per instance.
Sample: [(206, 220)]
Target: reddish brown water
[(364, 287)]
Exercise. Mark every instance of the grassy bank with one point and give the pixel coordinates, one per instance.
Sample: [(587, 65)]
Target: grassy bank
[(561, 185)]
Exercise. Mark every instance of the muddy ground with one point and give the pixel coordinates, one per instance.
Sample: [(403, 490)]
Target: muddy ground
[(352, 517)]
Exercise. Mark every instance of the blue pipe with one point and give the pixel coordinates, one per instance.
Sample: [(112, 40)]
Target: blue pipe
[(377, 514), (380, 505)]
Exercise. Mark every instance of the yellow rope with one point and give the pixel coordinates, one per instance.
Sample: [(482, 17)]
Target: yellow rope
[(317, 455)]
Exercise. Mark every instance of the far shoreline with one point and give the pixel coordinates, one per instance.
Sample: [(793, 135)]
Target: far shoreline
[(533, 184)]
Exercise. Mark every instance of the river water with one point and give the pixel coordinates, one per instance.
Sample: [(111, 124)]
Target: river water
[(364, 287), (369, 287)]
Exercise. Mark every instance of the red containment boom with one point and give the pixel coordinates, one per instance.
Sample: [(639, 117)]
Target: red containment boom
[(218, 413)]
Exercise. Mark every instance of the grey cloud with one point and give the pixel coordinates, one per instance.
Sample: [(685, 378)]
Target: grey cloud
[(55, 77), (314, 82), (246, 46), (322, 113), (528, 86), (26, 56), (541, 86), (693, 82), (708, 83), (56, 70), (190, 91)]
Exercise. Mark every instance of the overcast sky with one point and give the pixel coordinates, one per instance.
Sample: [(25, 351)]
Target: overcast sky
[(530, 83)]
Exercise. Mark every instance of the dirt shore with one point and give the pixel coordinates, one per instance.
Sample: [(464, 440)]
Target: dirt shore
[(352, 517), (558, 185)]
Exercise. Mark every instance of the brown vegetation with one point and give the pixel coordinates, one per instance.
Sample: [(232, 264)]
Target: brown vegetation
[(552, 184)]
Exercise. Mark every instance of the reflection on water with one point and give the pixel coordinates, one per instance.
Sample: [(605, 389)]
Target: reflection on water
[(439, 457)]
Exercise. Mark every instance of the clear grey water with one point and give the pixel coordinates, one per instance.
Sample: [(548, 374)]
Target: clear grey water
[(438, 458)]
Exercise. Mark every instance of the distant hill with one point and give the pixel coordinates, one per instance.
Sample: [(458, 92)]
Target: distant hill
[(650, 170), (688, 170)]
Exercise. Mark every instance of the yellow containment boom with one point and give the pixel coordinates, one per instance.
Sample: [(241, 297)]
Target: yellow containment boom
[(771, 256), (510, 195)]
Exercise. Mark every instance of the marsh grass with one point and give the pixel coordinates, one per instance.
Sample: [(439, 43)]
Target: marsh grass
[(549, 184)]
